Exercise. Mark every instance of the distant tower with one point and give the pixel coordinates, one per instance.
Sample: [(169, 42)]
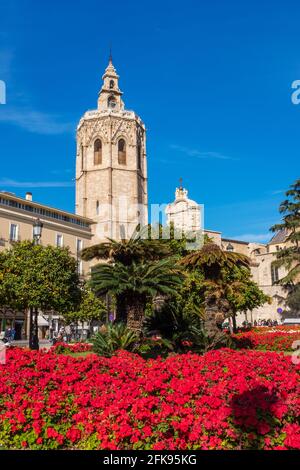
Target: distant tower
[(111, 165), (184, 213)]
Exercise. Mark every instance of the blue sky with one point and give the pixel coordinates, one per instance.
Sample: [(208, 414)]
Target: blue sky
[(211, 80)]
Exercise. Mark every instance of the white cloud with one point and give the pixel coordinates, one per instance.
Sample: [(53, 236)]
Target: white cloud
[(191, 152), (278, 191), (35, 121), (6, 182)]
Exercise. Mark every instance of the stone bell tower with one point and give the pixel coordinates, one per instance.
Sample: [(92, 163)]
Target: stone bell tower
[(111, 165)]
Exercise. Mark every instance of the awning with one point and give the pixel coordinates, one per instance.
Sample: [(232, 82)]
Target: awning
[(42, 321)]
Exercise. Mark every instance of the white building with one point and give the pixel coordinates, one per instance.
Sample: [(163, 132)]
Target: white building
[(184, 213)]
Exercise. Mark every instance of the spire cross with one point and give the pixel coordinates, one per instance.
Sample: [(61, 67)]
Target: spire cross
[(110, 54), (180, 183)]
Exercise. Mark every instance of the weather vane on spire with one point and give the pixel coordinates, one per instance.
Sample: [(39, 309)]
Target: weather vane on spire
[(110, 54), (180, 183)]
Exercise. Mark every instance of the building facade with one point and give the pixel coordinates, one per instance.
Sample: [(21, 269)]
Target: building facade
[(60, 228), (111, 165)]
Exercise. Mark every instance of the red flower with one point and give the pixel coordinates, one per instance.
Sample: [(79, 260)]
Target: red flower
[(224, 399)]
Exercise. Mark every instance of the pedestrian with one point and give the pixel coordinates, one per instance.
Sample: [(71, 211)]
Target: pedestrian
[(68, 333), (8, 334), (13, 334)]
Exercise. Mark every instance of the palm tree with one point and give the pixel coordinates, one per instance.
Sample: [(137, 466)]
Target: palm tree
[(133, 285), (137, 248), (289, 229), (211, 259), (214, 263)]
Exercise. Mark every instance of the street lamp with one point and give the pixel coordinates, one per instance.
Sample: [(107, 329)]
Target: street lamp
[(33, 319), (37, 231)]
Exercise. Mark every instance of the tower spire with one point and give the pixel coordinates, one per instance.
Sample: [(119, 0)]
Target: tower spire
[(110, 93)]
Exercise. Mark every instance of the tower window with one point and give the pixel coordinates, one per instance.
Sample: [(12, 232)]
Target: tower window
[(139, 156), (122, 152), (82, 156), (97, 208), (111, 102), (98, 152), (111, 84)]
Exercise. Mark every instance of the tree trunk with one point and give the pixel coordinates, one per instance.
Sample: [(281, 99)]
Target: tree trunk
[(34, 331), (234, 323), (121, 310), (210, 324), (135, 314)]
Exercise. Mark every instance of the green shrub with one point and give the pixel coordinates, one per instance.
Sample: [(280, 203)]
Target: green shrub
[(181, 331), (113, 337)]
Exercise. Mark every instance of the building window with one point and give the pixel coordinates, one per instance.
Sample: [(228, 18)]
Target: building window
[(98, 152), (97, 208), (111, 102), (79, 246), (229, 247), (111, 84), (122, 152), (59, 240), (80, 268), (274, 274), (13, 232)]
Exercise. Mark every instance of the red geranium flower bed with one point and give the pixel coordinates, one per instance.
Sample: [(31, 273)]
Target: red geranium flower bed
[(268, 340), (223, 400)]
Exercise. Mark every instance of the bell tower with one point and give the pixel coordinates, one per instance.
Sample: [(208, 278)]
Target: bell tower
[(111, 164), (110, 94)]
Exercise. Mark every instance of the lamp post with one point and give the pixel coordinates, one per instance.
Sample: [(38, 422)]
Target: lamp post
[(37, 231), (33, 319)]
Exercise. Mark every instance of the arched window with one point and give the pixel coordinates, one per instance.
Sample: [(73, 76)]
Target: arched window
[(111, 84), (111, 102), (122, 152), (97, 208), (97, 152)]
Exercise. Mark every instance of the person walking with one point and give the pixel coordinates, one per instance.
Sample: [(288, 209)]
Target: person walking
[(12, 334), (8, 335), (68, 333)]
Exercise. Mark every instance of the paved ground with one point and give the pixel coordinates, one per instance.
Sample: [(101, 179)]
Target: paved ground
[(24, 344)]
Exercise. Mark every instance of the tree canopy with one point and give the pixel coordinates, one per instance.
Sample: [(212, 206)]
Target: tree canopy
[(39, 277)]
